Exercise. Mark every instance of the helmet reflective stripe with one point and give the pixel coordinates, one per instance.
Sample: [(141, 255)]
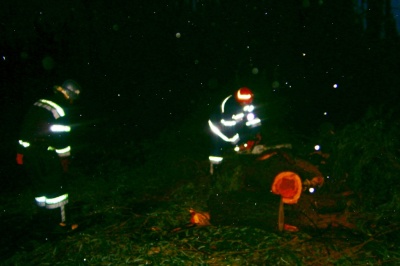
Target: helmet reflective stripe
[(244, 96), (52, 107), (216, 131), (70, 89), (60, 128), (223, 103), (24, 144)]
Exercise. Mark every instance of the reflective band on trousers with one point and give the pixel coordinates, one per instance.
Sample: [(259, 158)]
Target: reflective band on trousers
[(215, 159), (64, 152), (52, 203)]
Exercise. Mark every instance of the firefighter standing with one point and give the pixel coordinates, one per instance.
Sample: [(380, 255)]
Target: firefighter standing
[(235, 123), (44, 147)]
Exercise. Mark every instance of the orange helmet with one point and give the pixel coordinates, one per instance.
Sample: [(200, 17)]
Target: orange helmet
[(244, 95)]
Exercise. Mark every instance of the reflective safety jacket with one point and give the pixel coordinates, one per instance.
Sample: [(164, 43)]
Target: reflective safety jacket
[(46, 127), (232, 120)]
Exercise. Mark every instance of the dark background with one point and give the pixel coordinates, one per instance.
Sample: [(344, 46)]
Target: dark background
[(139, 78)]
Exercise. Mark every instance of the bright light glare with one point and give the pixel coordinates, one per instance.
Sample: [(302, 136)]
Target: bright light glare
[(317, 147), (335, 86), (311, 190)]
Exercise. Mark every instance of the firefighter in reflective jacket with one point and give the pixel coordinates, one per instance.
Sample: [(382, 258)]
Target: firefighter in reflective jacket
[(44, 146), (235, 123)]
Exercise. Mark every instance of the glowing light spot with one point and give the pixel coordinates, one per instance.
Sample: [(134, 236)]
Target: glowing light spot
[(275, 84), (325, 113), (48, 63), (178, 35), (311, 190), (335, 86), (317, 147), (304, 54), (254, 71)]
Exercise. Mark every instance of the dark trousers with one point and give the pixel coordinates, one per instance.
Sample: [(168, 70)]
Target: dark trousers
[(44, 169)]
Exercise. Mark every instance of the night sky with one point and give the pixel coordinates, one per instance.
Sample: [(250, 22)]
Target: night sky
[(147, 65)]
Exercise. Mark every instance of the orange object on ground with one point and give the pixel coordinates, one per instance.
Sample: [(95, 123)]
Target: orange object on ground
[(290, 228), (199, 218), (289, 186)]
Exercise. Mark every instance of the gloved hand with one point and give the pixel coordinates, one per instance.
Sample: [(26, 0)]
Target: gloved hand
[(20, 159)]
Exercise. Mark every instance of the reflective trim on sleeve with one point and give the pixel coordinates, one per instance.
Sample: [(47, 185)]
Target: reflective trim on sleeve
[(228, 123), (216, 131), (60, 128), (223, 103), (253, 123), (248, 108), (24, 144), (54, 108), (238, 116)]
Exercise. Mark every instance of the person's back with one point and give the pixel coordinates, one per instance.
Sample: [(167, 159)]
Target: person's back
[(236, 122), (44, 146)]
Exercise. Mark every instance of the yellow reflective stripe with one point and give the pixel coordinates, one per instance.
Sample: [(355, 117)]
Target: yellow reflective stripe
[(24, 144), (40, 199), (228, 123), (215, 159), (60, 128), (214, 129), (248, 108), (58, 108), (52, 107), (56, 199), (254, 122), (238, 116), (223, 103), (64, 152)]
